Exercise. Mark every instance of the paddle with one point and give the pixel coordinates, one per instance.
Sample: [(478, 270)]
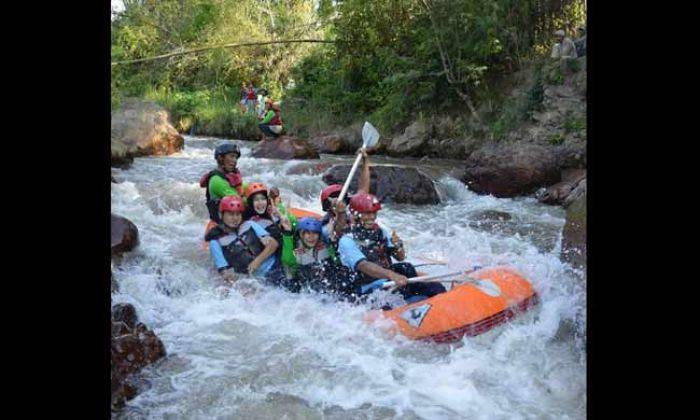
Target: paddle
[(385, 284), (370, 137)]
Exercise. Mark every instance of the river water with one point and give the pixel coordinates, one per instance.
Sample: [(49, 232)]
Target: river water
[(274, 354)]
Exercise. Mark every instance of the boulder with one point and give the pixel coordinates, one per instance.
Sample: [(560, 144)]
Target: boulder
[(575, 194), (558, 193), (329, 144), (285, 147), (391, 184), (489, 219), (133, 346), (126, 313), (413, 141), (124, 235), (573, 245), (142, 128), (307, 168), (514, 169)]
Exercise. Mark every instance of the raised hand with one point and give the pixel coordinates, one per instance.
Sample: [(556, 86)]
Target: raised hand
[(275, 196), (286, 224), (395, 239)]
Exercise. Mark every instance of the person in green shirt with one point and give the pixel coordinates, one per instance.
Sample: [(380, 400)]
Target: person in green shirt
[(271, 124), (223, 181), (310, 260)]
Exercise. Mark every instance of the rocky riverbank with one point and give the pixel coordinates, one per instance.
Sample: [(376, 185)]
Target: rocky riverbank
[(133, 344)]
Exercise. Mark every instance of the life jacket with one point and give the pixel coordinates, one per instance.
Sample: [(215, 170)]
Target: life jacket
[(276, 120), (234, 179), (372, 243), (251, 93), (318, 270), (271, 226), (240, 249)]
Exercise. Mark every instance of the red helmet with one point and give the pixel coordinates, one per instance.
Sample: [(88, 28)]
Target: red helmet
[(255, 187), (231, 203), (326, 192), (365, 203)]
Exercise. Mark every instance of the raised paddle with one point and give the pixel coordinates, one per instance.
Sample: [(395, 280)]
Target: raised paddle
[(370, 137)]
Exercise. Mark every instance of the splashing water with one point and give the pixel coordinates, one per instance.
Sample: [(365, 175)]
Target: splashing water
[(274, 354)]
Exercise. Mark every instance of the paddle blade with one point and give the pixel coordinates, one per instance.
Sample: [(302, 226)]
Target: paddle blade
[(370, 135)]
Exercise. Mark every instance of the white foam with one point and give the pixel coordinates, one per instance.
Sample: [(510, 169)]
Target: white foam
[(227, 353)]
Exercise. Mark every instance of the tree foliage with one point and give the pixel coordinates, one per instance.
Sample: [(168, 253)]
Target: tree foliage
[(392, 60)]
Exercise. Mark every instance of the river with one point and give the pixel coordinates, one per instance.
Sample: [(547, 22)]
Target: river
[(277, 355)]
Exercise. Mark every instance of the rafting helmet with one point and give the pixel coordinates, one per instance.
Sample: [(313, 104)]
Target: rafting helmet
[(255, 187), (326, 193), (365, 203), (232, 203), (225, 148), (309, 224)]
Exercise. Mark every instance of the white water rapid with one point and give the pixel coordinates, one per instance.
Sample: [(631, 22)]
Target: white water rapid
[(281, 355)]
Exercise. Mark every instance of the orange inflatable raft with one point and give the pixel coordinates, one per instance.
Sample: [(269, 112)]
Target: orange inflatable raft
[(496, 295)]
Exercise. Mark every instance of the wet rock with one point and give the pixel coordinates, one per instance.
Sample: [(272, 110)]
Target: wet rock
[(142, 128), (571, 156), (126, 313), (489, 220), (575, 194), (491, 215), (124, 235), (512, 169), (332, 143), (351, 136), (133, 347), (309, 168), (573, 245), (391, 184), (559, 192), (285, 147), (413, 141)]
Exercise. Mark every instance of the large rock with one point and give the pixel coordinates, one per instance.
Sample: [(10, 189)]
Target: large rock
[(142, 128), (309, 168), (558, 193), (413, 141), (573, 245), (285, 147), (341, 141), (516, 169), (124, 235), (391, 184), (331, 143), (133, 347)]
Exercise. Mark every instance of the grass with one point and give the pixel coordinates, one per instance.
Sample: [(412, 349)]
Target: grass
[(572, 124), (557, 138), (519, 109), (206, 112)]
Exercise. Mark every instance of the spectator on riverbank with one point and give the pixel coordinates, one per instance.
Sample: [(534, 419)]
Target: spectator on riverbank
[(251, 98), (244, 97), (263, 100), (272, 123), (565, 48)]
